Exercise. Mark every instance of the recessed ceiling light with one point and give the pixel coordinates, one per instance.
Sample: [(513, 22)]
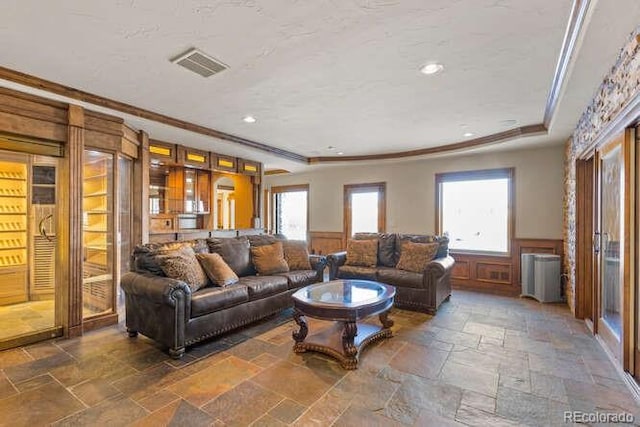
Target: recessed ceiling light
[(431, 68), (331, 147), (510, 122), (249, 119), (468, 134), (339, 153)]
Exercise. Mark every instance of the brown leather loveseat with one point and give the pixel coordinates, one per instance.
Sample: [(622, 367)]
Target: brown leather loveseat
[(423, 291), (167, 311)]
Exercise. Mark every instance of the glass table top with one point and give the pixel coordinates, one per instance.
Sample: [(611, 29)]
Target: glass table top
[(344, 293)]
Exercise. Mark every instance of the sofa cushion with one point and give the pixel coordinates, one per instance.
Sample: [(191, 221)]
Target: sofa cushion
[(386, 247), (296, 254), (262, 286), (401, 278), (443, 243), (415, 256), (363, 253), (235, 252), (299, 278), (262, 239), (356, 272), (269, 259), (208, 300), (217, 270), (182, 264)]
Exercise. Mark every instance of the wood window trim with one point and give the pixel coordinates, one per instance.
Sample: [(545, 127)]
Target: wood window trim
[(288, 189), (349, 189), (478, 175)]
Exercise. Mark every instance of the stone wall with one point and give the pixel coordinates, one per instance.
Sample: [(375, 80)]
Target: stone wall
[(620, 85)]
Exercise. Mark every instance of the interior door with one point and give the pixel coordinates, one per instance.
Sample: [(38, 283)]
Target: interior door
[(28, 247), (613, 244)]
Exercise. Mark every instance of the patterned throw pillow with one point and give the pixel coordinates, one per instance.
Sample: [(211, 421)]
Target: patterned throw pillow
[(269, 259), (148, 256), (182, 264), (217, 270), (363, 253), (296, 254), (415, 256)]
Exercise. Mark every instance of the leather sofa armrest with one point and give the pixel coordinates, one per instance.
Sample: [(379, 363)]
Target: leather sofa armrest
[(439, 266), (156, 289), (318, 263), (335, 260)]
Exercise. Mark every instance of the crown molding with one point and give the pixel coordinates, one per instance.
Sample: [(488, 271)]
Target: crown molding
[(529, 130), (574, 28), (80, 95)]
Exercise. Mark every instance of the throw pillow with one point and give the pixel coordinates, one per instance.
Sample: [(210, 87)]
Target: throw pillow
[(235, 251), (217, 270), (269, 259), (363, 253), (296, 254), (147, 256), (415, 256), (182, 264)]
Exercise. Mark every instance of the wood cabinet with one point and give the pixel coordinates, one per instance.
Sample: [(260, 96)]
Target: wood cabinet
[(162, 152), (197, 196), (248, 167), (193, 158), (179, 199), (224, 163)]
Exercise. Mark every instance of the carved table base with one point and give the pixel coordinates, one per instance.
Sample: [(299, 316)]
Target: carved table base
[(344, 341)]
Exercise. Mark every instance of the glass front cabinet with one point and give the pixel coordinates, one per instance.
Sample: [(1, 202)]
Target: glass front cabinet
[(97, 234)]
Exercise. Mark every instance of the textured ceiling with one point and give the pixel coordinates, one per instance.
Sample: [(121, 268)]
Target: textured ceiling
[(319, 73)]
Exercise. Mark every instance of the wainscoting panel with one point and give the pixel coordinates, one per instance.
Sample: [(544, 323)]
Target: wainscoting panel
[(460, 269), (326, 242), (498, 274), (483, 273), (494, 272)]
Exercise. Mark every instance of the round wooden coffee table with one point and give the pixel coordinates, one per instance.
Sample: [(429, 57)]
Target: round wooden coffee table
[(345, 302)]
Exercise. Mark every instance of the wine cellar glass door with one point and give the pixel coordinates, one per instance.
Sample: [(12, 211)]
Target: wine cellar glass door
[(27, 248), (97, 229)]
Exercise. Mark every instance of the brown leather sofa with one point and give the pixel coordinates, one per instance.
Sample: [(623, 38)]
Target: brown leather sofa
[(167, 311), (414, 291)]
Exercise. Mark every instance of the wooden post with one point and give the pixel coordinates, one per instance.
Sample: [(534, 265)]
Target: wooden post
[(141, 192), (71, 243), (255, 216)]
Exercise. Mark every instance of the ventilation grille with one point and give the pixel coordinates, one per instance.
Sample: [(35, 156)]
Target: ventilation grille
[(44, 265), (200, 63)]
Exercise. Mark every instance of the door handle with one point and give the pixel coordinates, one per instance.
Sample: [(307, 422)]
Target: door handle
[(43, 231), (596, 242)]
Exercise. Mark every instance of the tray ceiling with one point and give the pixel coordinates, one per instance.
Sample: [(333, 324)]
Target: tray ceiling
[(323, 73)]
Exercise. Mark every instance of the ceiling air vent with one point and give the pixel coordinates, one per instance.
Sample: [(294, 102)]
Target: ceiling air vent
[(199, 62)]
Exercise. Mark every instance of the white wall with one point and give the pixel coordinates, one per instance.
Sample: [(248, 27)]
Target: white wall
[(411, 190)]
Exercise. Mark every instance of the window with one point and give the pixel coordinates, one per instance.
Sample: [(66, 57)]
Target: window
[(291, 211), (475, 209), (364, 208)]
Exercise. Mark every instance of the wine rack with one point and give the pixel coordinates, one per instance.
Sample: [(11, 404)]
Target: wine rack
[(13, 232), (97, 221)]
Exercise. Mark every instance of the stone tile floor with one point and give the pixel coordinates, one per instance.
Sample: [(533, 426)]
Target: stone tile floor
[(483, 360), (26, 317)]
